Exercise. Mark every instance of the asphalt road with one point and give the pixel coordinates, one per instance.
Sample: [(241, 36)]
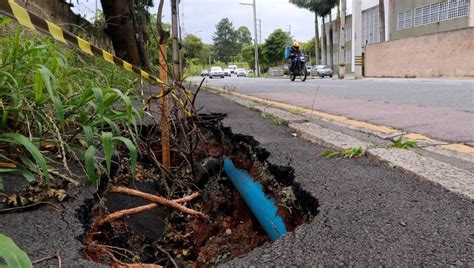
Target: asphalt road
[(441, 109), (370, 214)]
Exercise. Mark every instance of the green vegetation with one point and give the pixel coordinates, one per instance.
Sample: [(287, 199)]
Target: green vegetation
[(295, 111), (59, 106), (349, 153), (276, 120), (404, 144), (12, 254)]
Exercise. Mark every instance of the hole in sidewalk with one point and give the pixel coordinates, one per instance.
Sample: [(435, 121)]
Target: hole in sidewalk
[(168, 237)]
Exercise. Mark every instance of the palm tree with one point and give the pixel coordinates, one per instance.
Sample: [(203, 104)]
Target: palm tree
[(342, 40), (320, 8)]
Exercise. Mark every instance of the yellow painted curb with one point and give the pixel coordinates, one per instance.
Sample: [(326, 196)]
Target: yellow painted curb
[(337, 118), (461, 148)]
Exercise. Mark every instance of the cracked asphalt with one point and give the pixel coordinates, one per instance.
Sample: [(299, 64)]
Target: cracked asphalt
[(370, 214)]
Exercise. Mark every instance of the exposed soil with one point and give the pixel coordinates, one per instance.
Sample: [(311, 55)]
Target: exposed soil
[(168, 237)]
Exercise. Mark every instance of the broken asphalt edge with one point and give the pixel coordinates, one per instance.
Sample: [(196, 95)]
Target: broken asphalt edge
[(303, 121)]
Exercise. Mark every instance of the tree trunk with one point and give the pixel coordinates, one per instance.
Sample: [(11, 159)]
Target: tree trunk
[(140, 33), (120, 28), (325, 46), (331, 42), (342, 41), (316, 38), (382, 20)]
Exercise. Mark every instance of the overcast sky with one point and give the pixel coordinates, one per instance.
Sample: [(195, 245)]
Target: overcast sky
[(199, 17)]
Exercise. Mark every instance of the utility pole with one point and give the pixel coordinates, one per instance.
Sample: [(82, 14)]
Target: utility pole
[(259, 26), (289, 30), (257, 64), (357, 41)]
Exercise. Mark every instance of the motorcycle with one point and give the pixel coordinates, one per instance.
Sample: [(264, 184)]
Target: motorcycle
[(299, 68)]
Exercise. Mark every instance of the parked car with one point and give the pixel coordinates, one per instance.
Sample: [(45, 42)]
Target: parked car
[(216, 71), (308, 69), (227, 72), (321, 71), (241, 72), (232, 68), (205, 73)]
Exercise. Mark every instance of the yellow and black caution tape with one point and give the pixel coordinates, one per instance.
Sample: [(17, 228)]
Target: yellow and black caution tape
[(36, 23)]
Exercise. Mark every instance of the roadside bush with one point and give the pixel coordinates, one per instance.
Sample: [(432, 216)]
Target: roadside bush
[(58, 105)]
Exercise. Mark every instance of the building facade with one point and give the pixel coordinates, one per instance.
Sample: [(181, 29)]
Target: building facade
[(404, 19)]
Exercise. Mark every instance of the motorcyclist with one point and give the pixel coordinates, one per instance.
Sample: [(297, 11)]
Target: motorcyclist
[(294, 53)]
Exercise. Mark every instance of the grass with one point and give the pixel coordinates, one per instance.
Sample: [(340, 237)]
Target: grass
[(404, 144), (58, 103), (276, 120), (295, 111), (349, 153)]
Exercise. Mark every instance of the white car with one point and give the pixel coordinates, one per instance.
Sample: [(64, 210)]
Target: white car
[(227, 72), (241, 72), (232, 68), (216, 71)]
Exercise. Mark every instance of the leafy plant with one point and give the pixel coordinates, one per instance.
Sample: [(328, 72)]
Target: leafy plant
[(58, 103), (404, 144), (349, 153), (12, 254)]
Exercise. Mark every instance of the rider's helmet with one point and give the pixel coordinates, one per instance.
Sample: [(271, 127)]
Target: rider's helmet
[(296, 44)]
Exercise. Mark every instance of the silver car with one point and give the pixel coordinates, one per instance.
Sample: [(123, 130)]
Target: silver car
[(216, 71), (321, 71), (241, 72)]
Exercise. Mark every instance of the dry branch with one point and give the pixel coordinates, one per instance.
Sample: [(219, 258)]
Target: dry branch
[(157, 199), (132, 211)]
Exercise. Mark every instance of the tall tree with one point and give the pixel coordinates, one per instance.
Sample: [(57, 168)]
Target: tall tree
[(244, 38), (382, 20), (193, 46), (324, 43), (225, 41), (248, 55), (331, 41), (342, 41), (275, 46)]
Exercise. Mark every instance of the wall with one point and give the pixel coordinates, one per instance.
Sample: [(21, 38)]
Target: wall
[(397, 6), (59, 12), (445, 54)]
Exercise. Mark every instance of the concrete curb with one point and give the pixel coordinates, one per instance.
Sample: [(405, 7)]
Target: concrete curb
[(450, 177)]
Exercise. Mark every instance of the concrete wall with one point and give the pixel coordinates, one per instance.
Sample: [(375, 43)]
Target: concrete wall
[(397, 6), (445, 54)]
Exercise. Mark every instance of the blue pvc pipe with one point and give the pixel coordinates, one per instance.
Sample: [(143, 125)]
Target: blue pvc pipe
[(263, 208)]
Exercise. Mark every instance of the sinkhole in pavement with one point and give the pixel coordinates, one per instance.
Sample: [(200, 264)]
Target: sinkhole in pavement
[(169, 237)]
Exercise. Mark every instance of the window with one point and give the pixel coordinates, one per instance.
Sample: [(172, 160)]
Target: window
[(440, 11), (348, 56), (370, 26), (348, 34), (405, 20)]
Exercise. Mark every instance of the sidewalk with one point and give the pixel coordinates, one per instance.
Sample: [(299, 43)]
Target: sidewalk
[(370, 213)]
